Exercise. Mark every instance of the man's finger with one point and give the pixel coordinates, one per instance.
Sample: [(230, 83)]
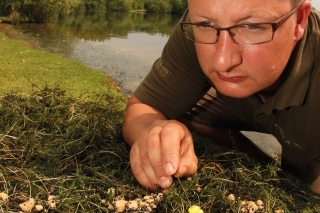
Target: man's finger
[(188, 159), (170, 137), (141, 169), (154, 149)]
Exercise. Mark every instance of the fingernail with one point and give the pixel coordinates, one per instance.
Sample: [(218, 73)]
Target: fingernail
[(180, 172), (169, 169), (164, 182)]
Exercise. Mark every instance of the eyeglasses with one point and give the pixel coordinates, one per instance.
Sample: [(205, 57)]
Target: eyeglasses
[(252, 33)]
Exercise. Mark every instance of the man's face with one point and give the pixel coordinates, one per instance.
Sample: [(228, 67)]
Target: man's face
[(242, 70)]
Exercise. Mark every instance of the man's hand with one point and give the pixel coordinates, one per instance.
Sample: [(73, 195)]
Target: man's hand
[(162, 150)]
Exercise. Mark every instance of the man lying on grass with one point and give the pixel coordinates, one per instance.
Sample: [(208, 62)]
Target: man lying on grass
[(240, 65)]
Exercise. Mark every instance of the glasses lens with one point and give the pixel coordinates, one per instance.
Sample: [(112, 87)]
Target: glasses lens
[(241, 34), (252, 33), (201, 34)]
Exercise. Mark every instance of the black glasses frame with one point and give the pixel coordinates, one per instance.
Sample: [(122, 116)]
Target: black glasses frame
[(275, 25)]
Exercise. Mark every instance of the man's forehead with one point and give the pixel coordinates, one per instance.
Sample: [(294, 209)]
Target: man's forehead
[(267, 8), (248, 1)]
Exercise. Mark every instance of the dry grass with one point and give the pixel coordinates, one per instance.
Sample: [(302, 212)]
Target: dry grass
[(52, 144)]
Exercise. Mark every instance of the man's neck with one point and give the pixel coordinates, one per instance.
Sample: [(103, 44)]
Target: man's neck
[(268, 93)]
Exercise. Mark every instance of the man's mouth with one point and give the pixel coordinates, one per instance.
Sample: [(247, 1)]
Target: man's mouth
[(233, 79)]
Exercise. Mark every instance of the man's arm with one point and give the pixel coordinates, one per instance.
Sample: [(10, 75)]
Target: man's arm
[(138, 117), (160, 147)]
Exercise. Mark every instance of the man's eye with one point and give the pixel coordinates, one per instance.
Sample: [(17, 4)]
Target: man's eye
[(205, 24), (254, 26)]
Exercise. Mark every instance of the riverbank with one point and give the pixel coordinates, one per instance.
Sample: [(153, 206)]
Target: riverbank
[(9, 31), (23, 66)]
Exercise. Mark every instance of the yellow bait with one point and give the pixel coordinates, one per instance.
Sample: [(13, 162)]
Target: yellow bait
[(195, 209)]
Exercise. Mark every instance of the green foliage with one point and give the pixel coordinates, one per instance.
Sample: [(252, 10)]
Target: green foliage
[(158, 6), (92, 5), (102, 25), (149, 5), (138, 5), (42, 10), (39, 10), (121, 5), (178, 5)]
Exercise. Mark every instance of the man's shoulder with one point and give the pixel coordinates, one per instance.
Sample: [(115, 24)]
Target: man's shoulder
[(314, 23)]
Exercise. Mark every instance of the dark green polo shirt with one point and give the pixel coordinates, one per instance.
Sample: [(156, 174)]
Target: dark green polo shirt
[(176, 82)]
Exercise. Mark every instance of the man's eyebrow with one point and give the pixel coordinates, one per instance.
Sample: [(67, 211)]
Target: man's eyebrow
[(259, 15), (197, 14)]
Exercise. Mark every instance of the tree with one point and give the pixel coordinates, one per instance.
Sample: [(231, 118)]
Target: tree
[(40, 10), (123, 5), (92, 5), (158, 6), (178, 6), (138, 4)]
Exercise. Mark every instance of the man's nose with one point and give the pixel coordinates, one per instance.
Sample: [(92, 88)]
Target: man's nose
[(227, 53)]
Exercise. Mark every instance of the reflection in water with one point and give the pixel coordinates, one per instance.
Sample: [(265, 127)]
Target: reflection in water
[(126, 60), (124, 45)]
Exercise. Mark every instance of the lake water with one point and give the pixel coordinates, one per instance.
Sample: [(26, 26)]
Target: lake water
[(123, 45)]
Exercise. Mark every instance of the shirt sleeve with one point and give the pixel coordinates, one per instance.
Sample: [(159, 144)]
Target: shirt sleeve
[(176, 81)]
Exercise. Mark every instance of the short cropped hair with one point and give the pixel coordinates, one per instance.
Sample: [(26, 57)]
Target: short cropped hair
[(296, 2)]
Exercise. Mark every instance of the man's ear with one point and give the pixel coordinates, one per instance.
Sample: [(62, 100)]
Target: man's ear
[(302, 19)]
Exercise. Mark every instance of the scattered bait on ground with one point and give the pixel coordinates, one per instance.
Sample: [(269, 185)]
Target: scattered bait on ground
[(147, 204), (4, 197), (28, 205), (231, 199)]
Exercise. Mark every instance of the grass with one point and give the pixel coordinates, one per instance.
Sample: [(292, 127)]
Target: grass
[(60, 134), (22, 66)]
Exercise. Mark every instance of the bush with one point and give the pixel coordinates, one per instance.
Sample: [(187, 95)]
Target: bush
[(40, 10)]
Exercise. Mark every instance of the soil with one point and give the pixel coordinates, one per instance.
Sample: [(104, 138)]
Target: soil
[(9, 31), (12, 33)]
